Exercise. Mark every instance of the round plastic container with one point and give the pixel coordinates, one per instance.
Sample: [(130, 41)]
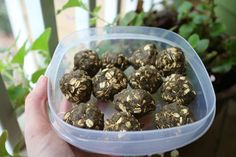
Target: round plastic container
[(146, 142)]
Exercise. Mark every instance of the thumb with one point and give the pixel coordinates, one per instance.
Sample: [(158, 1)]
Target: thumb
[(35, 107)]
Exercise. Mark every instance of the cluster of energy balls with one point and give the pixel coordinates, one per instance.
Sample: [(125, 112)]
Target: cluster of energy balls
[(104, 78)]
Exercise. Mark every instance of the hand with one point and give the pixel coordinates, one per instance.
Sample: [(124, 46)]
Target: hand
[(41, 140)]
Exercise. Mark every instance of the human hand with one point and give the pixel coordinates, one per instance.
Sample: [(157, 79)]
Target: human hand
[(41, 140)]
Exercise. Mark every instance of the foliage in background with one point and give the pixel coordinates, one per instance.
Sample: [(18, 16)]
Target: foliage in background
[(195, 21), (130, 18), (205, 32), (82, 5), (18, 83), (3, 150)]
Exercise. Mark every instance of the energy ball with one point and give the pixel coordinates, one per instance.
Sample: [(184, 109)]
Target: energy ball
[(145, 55), (115, 60), (172, 115), (138, 102), (88, 61), (85, 116), (176, 88), (147, 78), (171, 60), (108, 82), (122, 121), (76, 86)]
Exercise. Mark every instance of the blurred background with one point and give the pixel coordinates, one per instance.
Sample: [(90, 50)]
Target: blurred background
[(31, 29)]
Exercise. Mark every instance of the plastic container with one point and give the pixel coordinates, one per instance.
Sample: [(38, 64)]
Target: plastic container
[(147, 142)]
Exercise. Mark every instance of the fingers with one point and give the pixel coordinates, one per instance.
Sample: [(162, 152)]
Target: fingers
[(35, 106)]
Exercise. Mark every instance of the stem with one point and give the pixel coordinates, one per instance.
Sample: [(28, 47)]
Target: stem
[(7, 75), (98, 17), (94, 15)]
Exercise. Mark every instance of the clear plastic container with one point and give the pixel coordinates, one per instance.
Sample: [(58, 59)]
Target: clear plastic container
[(146, 142)]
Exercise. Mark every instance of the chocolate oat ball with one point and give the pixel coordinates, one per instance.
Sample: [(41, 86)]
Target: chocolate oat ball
[(76, 86), (172, 115), (145, 55), (88, 61), (135, 101), (147, 78), (108, 82), (171, 60), (122, 121), (85, 116), (176, 88), (115, 60)]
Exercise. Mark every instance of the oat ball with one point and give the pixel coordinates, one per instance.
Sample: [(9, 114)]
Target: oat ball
[(76, 86), (85, 116), (88, 61), (114, 60), (171, 60), (122, 121), (145, 55), (138, 102), (147, 78), (108, 82), (176, 88), (172, 115)]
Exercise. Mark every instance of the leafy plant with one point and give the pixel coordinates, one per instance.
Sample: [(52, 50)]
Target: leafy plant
[(131, 18), (3, 150), (199, 20), (82, 5), (198, 24), (18, 83)]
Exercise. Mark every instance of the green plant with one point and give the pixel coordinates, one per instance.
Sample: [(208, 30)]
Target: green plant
[(131, 18), (196, 22), (215, 47), (3, 150), (82, 5), (18, 83)]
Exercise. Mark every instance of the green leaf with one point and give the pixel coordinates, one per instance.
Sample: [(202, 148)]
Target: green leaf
[(18, 147), (139, 19), (41, 43), (92, 21), (186, 29), (116, 20), (37, 74), (20, 55), (202, 7), (3, 139), (71, 4), (2, 66), (17, 95), (130, 16), (222, 68), (193, 40), (199, 18), (184, 9), (97, 9), (217, 29), (202, 46)]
